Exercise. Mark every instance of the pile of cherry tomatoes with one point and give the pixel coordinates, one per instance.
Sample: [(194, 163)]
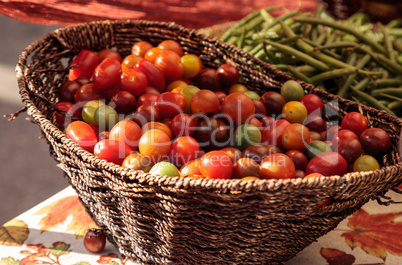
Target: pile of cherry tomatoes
[(161, 111)]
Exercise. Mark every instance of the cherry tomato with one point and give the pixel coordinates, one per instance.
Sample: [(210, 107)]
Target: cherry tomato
[(152, 90), (191, 168), (246, 135), (315, 136), (365, 163), (164, 168), (67, 91), (267, 121), (136, 161), (105, 53), (170, 65), (126, 131), (182, 125), (228, 74), (273, 134), (273, 102), (355, 122), (123, 102), (171, 45), (292, 91), (144, 114), (296, 136), (156, 144), (133, 81), (184, 149), (169, 104), (315, 123), (107, 73), (327, 164), (82, 134), (204, 102), (154, 76), (71, 112), (314, 175), (234, 153), (256, 123), (253, 95), (238, 107), (294, 112), (177, 83), (146, 99), (221, 95), (260, 111), (341, 135), (83, 80), (157, 125), (259, 152), (152, 53), (129, 62), (245, 167), (188, 92), (87, 93), (94, 240), (299, 159), (192, 65), (83, 65), (216, 165), (329, 134), (207, 79), (112, 151), (237, 88), (140, 48), (313, 104), (88, 111), (106, 117), (350, 149), (277, 166), (375, 141), (212, 132), (316, 147)]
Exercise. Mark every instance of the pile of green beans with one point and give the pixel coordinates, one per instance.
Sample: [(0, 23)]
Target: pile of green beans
[(352, 58)]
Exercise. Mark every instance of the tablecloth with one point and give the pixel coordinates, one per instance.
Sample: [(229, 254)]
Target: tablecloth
[(52, 233)]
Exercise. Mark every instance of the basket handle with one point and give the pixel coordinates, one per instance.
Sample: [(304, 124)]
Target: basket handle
[(386, 200)]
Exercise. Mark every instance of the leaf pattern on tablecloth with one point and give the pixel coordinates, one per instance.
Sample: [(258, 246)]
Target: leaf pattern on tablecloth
[(39, 254), (10, 261), (110, 259), (14, 232), (376, 234), (339, 257), (58, 212)]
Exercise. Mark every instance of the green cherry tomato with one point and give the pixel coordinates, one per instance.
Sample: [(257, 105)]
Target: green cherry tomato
[(88, 111), (188, 92), (106, 117), (292, 91), (253, 95), (165, 169), (246, 135), (316, 147)]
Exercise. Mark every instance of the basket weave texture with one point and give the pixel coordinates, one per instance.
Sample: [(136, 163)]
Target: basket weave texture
[(172, 220)]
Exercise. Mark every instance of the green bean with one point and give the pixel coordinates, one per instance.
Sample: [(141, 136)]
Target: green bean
[(279, 19), (378, 58), (306, 69), (395, 67), (371, 101), (388, 44), (269, 55), (265, 35), (299, 75), (334, 74), (395, 105), (362, 84), (389, 82), (300, 55), (397, 92), (315, 46), (350, 30)]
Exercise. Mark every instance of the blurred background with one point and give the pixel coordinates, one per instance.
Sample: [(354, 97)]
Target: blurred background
[(28, 174)]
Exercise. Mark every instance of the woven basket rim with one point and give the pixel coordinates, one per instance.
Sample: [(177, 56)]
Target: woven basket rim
[(178, 182)]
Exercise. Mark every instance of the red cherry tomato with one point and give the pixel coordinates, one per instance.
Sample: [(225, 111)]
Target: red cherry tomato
[(234, 153), (260, 111), (107, 73), (126, 131), (123, 102), (350, 149), (182, 124), (144, 114), (156, 144), (157, 125), (277, 166), (204, 102), (83, 65), (273, 134), (375, 141), (169, 104), (207, 79), (228, 74), (216, 165), (299, 159), (295, 137), (130, 61), (82, 134), (355, 122), (238, 107), (105, 53), (245, 167), (134, 81), (140, 48), (67, 91), (152, 53), (146, 99), (71, 112), (184, 149), (273, 102), (171, 45), (87, 93), (315, 123), (342, 135), (313, 104), (191, 168), (112, 151), (170, 65), (327, 164), (155, 77)]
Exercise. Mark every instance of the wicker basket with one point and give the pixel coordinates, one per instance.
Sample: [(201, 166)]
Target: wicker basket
[(160, 219)]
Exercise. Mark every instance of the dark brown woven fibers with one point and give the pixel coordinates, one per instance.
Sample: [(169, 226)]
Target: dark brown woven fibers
[(159, 219)]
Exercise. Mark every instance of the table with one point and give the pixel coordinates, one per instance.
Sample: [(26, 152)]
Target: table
[(52, 232)]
